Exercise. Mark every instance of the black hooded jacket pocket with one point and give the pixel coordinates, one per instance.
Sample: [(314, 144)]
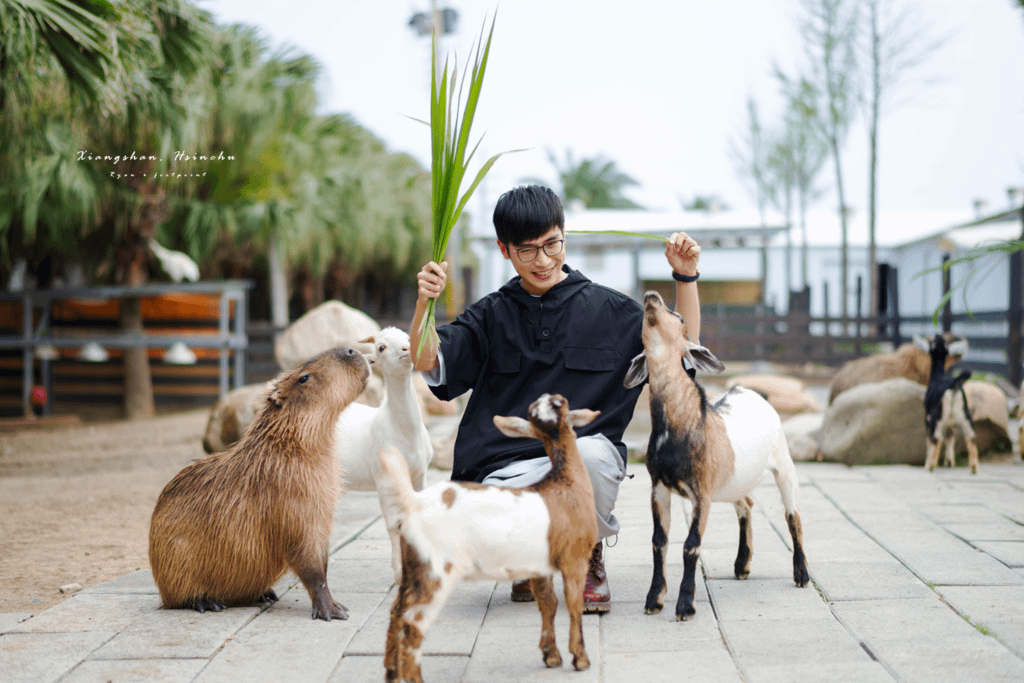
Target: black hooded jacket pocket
[(590, 359)]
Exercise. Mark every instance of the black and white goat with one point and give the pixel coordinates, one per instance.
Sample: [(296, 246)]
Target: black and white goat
[(705, 452), (945, 408)]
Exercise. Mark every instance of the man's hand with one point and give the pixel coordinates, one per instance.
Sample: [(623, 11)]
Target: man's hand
[(431, 279), (682, 253)]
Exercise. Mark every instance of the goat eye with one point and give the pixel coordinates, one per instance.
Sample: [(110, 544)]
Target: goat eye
[(380, 349), (303, 378)]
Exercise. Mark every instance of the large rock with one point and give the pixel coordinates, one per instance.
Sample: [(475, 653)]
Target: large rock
[(991, 417), (231, 415), (876, 423), (802, 434), (431, 404), (330, 324), (785, 394)]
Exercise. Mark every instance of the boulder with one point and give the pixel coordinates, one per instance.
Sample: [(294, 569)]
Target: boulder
[(990, 414), (432, 405), (444, 451), (876, 423), (231, 415), (785, 394), (802, 433), (330, 324)]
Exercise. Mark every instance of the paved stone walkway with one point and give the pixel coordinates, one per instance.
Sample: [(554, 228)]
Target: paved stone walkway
[(916, 577)]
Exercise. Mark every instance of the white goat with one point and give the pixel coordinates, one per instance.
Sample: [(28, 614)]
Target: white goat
[(456, 530), (706, 453), (361, 431), (945, 406)]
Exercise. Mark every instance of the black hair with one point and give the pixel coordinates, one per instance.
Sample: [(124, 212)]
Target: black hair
[(526, 213)]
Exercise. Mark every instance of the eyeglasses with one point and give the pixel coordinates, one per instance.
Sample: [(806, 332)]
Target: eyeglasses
[(552, 248)]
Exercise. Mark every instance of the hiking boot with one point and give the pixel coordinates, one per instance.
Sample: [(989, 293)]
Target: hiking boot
[(521, 591), (597, 597)]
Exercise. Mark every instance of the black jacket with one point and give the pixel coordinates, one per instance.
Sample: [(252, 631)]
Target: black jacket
[(510, 347)]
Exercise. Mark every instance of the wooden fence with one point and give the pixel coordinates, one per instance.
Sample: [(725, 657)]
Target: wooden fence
[(800, 338)]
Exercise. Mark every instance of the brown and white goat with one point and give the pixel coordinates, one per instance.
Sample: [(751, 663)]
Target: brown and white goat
[(705, 452), (455, 530)]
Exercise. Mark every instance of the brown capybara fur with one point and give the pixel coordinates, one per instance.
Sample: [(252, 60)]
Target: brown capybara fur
[(227, 527)]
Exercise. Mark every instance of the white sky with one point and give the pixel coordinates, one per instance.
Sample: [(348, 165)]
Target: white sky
[(660, 87)]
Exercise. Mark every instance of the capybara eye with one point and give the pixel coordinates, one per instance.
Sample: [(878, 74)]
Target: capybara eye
[(302, 380)]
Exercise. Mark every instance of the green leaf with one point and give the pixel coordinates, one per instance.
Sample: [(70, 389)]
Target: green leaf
[(624, 233), (451, 122)]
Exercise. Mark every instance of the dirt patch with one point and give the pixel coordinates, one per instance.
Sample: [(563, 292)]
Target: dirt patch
[(75, 503)]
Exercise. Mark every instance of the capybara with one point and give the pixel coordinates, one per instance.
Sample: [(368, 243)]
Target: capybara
[(226, 528)]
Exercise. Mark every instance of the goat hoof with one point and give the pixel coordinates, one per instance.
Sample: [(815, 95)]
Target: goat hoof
[(742, 574), (581, 663), (686, 613), (653, 609), (553, 659)]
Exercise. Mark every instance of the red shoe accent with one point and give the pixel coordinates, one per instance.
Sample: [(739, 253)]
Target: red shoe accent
[(597, 596), (521, 591)]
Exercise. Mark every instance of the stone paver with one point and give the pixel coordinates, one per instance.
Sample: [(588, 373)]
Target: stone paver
[(916, 576)]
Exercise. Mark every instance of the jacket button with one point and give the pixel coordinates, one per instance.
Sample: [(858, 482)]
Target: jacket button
[(545, 333)]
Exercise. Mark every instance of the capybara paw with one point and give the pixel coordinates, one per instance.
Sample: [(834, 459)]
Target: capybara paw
[(203, 605), (581, 662), (268, 598), (333, 611)]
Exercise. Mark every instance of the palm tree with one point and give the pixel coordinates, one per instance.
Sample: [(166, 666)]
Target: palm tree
[(316, 194), (162, 46), (54, 61), (597, 182)]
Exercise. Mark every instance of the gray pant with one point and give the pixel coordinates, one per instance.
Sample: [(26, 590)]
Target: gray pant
[(604, 466)]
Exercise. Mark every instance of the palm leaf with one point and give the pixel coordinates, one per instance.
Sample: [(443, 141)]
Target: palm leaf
[(451, 122), (624, 233)]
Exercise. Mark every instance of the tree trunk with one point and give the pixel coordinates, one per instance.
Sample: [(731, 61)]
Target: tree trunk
[(138, 381), (844, 249), (278, 286), (876, 96)]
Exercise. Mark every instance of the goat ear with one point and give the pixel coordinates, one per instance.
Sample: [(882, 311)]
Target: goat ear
[(922, 343), (368, 340), (637, 372), (514, 427), (581, 417), (958, 348), (702, 359)]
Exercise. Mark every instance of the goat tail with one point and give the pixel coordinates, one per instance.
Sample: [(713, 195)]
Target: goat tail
[(396, 484)]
